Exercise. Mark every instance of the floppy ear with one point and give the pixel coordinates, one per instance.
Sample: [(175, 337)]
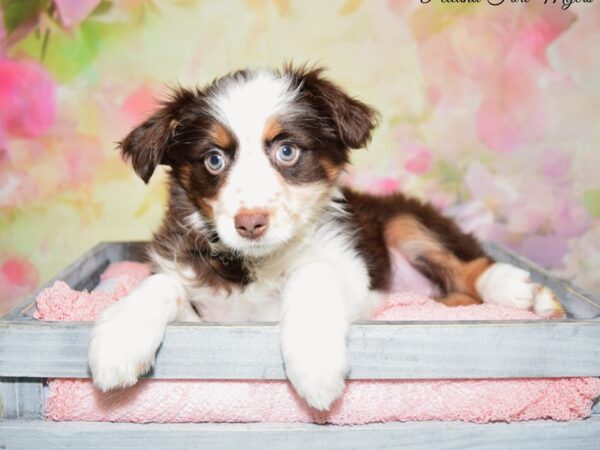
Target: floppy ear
[(354, 120), (147, 145)]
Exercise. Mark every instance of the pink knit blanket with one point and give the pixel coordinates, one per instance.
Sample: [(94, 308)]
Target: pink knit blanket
[(363, 401)]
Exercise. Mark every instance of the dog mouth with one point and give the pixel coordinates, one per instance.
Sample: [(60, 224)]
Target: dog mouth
[(242, 246), (257, 248)]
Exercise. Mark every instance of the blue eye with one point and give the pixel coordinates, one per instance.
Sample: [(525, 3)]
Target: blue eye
[(287, 155), (214, 162)]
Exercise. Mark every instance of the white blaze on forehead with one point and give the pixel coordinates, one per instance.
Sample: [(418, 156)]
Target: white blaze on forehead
[(245, 105)]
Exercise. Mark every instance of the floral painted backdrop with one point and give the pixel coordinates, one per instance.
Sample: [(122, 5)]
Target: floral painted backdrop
[(491, 112)]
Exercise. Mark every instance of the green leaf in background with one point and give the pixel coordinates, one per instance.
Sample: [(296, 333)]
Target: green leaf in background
[(69, 54), (17, 12), (103, 7), (591, 200)]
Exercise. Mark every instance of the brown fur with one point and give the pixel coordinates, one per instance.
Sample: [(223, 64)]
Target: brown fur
[(432, 243)]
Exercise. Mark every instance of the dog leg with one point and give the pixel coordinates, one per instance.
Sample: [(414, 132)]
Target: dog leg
[(127, 334), (314, 326), (475, 280)]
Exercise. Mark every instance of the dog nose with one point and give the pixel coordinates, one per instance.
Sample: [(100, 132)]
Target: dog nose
[(251, 225)]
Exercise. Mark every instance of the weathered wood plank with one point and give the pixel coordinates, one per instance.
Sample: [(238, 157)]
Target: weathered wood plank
[(21, 398), (542, 435), (126, 251), (398, 350)]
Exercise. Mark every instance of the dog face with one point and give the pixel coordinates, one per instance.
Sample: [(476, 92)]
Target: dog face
[(257, 152)]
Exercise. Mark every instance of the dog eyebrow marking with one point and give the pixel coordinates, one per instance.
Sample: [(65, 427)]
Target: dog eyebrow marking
[(222, 137), (273, 128)]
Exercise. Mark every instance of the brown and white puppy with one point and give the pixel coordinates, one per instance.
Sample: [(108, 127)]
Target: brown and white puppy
[(258, 230)]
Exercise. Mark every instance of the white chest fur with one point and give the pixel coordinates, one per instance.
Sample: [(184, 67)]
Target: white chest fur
[(261, 300)]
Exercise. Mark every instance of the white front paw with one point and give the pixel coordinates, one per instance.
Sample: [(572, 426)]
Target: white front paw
[(507, 285), (318, 377), (122, 348)]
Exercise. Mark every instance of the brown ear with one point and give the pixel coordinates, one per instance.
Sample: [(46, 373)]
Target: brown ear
[(147, 145), (353, 120)]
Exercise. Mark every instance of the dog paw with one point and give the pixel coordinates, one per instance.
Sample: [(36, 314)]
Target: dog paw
[(507, 285), (320, 378), (319, 390), (546, 304), (121, 349)]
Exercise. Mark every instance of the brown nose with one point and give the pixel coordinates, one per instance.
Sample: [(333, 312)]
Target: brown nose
[(251, 225)]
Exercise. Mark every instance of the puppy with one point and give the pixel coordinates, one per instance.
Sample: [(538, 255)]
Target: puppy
[(258, 229)]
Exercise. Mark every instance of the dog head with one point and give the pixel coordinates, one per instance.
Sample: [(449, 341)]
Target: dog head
[(258, 152)]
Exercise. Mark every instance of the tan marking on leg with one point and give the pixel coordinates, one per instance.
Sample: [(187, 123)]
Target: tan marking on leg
[(416, 243), (408, 235), (470, 273), (457, 299)]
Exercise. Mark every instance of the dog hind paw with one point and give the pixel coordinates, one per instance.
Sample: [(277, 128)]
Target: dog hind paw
[(507, 285)]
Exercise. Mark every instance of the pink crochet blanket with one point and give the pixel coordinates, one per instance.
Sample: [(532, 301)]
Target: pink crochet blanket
[(363, 401)]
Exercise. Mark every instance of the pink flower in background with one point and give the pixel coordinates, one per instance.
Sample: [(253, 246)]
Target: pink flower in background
[(537, 36), (139, 104), (547, 250), (383, 186), (418, 160), (27, 99), (555, 165), (399, 6), (500, 57), (72, 12), (511, 113), (532, 215), (18, 277), (81, 157), (367, 180)]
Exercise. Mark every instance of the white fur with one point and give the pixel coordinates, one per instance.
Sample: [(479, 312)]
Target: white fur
[(327, 288), (506, 285), (125, 338), (196, 222)]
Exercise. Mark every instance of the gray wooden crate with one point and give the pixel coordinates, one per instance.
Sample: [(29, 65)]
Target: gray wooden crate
[(31, 351)]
